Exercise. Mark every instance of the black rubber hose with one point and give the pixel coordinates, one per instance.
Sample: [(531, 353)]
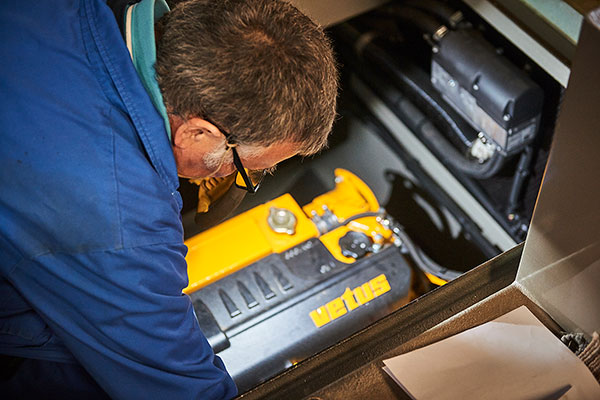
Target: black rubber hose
[(349, 35), (439, 195), (413, 79), (431, 104), (441, 10), (449, 155), (522, 173), (419, 124), (425, 263)]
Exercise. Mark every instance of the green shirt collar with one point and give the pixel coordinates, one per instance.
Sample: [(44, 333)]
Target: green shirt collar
[(139, 34)]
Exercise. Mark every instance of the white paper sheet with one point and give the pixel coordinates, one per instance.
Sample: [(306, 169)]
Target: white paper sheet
[(512, 357)]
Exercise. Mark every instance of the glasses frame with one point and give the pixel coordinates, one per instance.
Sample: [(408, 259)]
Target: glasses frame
[(250, 186)]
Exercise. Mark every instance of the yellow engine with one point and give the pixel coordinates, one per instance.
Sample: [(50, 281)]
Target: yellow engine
[(281, 224), (281, 282)]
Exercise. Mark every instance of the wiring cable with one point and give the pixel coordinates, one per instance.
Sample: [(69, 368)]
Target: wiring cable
[(423, 261)]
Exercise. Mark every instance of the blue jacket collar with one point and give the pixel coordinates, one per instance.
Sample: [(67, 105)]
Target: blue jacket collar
[(139, 35), (117, 61)]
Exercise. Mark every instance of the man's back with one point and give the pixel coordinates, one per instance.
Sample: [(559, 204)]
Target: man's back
[(92, 260)]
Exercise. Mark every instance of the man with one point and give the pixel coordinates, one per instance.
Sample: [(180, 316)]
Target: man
[(92, 142)]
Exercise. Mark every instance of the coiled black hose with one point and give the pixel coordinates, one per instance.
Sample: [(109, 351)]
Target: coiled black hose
[(449, 155), (430, 103), (416, 90)]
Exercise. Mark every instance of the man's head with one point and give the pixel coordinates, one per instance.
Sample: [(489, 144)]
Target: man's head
[(258, 71)]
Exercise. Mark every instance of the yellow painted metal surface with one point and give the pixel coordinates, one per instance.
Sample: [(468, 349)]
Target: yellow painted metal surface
[(372, 228), (435, 280), (331, 239), (247, 238), (366, 225), (241, 241), (351, 196)]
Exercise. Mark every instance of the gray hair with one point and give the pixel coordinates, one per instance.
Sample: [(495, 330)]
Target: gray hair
[(260, 69)]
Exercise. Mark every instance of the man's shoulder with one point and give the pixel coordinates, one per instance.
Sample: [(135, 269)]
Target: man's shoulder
[(77, 173), (83, 182), (113, 200)]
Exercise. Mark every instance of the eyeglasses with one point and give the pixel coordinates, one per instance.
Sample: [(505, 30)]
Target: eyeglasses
[(246, 179)]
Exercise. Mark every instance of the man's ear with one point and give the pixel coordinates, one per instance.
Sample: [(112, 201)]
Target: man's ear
[(193, 131)]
